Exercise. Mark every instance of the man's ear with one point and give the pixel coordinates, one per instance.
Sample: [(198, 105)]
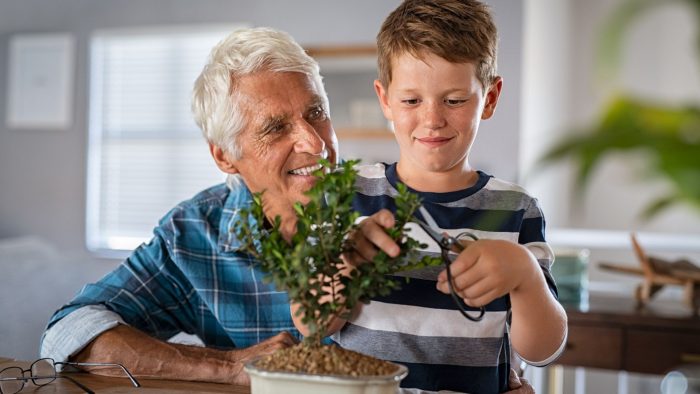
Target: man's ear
[(492, 96), (223, 159), (383, 97)]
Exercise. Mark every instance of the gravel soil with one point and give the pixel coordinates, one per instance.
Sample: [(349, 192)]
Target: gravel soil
[(325, 360)]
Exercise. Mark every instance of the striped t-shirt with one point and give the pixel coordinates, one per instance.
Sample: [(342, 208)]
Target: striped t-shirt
[(420, 327)]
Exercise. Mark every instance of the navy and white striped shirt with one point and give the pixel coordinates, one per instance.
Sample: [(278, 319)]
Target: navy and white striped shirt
[(420, 327)]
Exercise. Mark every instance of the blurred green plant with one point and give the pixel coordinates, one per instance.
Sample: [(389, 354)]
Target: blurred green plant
[(310, 268), (670, 135)]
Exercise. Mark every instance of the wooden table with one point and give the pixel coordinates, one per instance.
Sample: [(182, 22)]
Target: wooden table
[(103, 384), (612, 333)]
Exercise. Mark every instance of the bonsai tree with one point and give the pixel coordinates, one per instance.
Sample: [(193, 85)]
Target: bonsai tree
[(670, 134), (309, 266)]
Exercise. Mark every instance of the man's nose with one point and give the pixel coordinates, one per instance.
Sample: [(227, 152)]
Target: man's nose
[(308, 140), (433, 117)]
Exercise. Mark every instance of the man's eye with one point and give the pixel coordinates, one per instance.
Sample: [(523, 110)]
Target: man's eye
[(275, 128), (317, 114)]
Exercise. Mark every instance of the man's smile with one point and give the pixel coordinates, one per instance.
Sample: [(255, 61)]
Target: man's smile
[(308, 170)]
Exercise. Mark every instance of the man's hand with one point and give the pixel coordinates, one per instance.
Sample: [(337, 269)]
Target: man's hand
[(371, 237), (145, 356), (518, 385), (268, 346)]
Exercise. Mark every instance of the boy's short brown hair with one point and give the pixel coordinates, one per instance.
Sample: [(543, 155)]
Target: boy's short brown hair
[(458, 31)]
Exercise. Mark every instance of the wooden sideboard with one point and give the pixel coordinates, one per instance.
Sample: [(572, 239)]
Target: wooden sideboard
[(613, 333)]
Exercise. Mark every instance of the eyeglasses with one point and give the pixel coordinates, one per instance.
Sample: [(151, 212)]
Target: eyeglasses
[(43, 372)]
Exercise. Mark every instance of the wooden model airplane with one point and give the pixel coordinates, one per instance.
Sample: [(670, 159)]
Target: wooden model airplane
[(658, 272)]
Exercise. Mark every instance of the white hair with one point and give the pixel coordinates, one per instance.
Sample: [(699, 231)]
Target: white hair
[(215, 105)]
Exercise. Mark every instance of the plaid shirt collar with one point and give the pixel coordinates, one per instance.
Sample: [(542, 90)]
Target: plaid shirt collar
[(239, 196)]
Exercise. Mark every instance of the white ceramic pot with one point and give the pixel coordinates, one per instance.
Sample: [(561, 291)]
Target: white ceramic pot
[(267, 382)]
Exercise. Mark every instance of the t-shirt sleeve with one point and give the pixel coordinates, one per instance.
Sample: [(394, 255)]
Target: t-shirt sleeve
[(532, 236)]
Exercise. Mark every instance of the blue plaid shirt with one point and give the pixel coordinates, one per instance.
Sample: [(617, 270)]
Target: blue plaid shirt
[(192, 277)]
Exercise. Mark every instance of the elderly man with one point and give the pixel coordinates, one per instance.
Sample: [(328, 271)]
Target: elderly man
[(263, 109)]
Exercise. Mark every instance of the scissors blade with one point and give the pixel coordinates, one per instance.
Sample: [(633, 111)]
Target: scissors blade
[(436, 236), (444, 241), (427, 217)]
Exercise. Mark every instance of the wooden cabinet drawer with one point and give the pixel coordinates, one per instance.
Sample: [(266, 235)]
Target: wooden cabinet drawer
[(595, 347), (658, 352)]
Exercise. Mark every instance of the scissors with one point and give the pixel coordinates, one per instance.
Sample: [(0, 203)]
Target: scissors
[(448, 243)]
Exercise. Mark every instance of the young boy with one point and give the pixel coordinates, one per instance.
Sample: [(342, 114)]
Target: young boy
[(437, 80)]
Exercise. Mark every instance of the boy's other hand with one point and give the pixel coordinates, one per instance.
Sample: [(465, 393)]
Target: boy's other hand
[(372, 237), (518, 385), (489, 269)]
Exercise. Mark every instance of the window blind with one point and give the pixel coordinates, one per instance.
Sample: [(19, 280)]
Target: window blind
[(145, 152)]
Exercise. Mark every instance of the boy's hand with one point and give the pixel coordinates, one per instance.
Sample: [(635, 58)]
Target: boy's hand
[(518, 385), (372, 237), (489, 269)]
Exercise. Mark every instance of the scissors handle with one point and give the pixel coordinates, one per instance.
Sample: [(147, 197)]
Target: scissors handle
[(459, 243), (451, 244), (455, 297)]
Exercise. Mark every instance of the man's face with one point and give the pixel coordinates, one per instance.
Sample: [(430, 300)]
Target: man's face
[(288, 131)]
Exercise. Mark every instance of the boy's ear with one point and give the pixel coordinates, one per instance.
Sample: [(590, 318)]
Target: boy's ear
[(383, 97), (223, 159), (492, 95)]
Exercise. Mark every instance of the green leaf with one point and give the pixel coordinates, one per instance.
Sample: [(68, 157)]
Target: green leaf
[(658, 206)]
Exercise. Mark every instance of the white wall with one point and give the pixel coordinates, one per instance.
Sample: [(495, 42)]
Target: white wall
[(545, 106)]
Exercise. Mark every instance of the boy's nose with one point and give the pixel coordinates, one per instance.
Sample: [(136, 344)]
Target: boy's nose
[(308, 140), (433, 117)]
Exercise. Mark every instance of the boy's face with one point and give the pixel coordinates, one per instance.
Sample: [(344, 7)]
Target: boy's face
[(436, 107)]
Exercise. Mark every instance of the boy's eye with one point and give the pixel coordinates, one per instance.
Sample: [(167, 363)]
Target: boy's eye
[(454, 102), (410, 101)]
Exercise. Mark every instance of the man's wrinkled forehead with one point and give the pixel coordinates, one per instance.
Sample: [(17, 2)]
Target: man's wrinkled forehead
[(263, 101)]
